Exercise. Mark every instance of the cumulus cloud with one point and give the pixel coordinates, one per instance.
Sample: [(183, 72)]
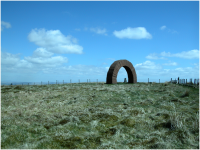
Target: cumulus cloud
[(54, 41), (52, 61), (147, 65), (12, 63), (162, 28), (133, 33), (50, 42), (172, 31), (171, 64), (155, 71), (169, 30), (32, 64), (99, 31), (77, 29), (192, 54), (42, 52), (9, 59), (154, 56), (5, 24)]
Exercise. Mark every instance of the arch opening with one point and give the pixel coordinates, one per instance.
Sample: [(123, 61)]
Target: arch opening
[(114, 69), (122, 74)]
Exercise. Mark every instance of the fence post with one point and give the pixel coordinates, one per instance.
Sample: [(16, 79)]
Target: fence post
[(28, 83), (171, 80), (148, 80), (159, 80), (70, 80), (87, 80), (48, 82), (97, 80)]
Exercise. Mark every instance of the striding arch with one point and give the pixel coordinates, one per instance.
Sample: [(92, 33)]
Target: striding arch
[(114, 69)]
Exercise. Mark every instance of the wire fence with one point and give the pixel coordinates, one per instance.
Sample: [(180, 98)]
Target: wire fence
[(46, 83), (180, 81), (184, 81)]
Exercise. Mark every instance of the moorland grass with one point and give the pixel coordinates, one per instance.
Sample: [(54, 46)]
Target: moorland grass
[(100, 116)]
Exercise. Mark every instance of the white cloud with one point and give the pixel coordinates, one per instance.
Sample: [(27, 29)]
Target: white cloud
[(5, 24), (52, 66), (9, 59), (162, 28), (156, 71), (171, 64), (153, 56), (165, 54), (12, 63), (104, 63), (99, 31), (40, 59), (68, 13), (147, 65), (172, 31), (78, 29), (169, 30), (53, 61), (54, 41), (192, 54), (42, 52), (133, 33)]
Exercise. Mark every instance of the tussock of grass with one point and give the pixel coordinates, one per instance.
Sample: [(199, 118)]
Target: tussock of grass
[(100, 116)]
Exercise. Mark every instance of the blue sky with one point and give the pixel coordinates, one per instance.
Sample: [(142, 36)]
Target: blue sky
[(49, 41)]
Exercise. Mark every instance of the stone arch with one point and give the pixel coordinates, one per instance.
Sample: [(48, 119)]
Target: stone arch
[(114, 69)]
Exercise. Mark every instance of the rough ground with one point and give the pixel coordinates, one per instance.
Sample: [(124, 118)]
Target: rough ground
[(100, 116)]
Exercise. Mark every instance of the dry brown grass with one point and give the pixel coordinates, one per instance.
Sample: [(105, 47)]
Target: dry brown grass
[(100, 116)]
